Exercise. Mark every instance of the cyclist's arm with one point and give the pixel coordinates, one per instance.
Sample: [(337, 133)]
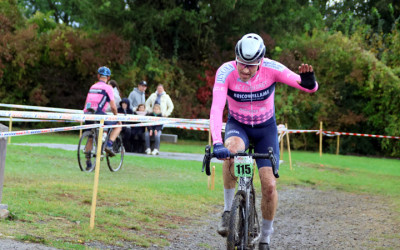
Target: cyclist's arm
[(292, 79), (220, 91), (114, 109)]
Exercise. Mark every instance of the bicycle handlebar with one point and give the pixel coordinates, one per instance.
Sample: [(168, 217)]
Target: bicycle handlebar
[(270, 155)]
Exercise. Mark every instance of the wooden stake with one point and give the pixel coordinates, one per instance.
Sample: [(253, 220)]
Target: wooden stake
[(281, 153), (10, 129), (320, 139), (80, 131), (96, 174), (337, 145), (288, 147), (212, 178), (209, 137)]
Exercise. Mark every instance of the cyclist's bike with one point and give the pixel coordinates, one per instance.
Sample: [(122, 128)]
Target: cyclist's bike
[(87, 150), (244, 225)]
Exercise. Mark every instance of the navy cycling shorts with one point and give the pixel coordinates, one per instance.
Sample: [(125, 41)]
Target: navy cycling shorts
[(262, 136)]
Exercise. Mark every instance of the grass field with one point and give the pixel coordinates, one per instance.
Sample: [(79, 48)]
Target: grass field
[(50, 198)]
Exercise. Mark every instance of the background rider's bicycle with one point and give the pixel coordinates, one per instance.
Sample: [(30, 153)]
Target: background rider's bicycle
[(87, 150), (244, 225)]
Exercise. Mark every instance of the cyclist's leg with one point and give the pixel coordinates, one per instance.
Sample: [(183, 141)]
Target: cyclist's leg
[(269, 200), (89, 145), (114, 133), (235, 140)]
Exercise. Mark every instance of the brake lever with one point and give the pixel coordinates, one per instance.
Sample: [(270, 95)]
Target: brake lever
[(206, 160), (273, 162)]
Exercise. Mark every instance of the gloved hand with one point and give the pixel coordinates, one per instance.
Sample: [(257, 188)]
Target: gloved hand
[(220, 151), (307, 80)]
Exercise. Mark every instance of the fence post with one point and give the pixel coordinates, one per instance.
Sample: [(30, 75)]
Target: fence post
[(209, 137), (80, 131), (213, 178), (281, 153), (10, 129), (337, 145), (320, 139), (288, 147), (3, 148), (96, 174)]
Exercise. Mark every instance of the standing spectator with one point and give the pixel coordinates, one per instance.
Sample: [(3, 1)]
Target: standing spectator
[(137, 96), (116, 91), (137, 133), (153, 130), (126, 131), (162, 98)]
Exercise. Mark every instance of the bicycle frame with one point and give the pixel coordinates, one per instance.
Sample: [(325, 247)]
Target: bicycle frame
[(245, 188)]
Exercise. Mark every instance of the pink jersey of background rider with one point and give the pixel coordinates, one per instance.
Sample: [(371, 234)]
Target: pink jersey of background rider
[(249, 102), (99, 96)]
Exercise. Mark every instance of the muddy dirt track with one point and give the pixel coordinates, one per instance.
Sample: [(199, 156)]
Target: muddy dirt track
[(306, 219)]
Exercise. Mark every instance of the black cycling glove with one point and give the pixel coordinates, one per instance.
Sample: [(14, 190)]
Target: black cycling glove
[(307, 80)]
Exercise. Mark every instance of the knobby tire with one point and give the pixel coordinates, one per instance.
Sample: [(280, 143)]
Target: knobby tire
[(235, 239)]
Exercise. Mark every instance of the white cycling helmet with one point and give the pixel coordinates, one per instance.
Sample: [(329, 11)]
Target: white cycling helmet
[(250, 48)]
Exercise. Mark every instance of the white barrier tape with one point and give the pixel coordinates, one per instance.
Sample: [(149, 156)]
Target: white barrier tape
[(89, 117), (366, 135), (32, 120), (292, 131), (47, 130), (329, 135), (188, 127), (63, 129), (75, 111)]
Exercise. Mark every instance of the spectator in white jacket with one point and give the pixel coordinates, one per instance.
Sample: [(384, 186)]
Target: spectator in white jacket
[(162, 98), (137, 96)]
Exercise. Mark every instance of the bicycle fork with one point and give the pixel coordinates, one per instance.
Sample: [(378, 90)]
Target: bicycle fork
[(245, 186)]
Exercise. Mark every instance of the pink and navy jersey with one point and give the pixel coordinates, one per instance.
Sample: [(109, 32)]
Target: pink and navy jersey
[(251, 102), (99, 97)]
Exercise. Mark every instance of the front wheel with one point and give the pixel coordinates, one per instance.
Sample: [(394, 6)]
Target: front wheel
[(236, 239), (115, 162), (87, 151)]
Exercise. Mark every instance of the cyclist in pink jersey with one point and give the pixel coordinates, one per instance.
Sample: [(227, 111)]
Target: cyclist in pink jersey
[(248, 84), (99, 97)]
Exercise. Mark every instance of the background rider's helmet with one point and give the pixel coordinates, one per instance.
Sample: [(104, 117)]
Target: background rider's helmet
[(250, 48), (104, 71)]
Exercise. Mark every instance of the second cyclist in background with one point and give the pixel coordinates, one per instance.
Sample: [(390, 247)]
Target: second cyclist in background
[(99, 97)]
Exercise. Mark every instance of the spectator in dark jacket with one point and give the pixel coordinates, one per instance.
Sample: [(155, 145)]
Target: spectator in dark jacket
[(137, 136), (153, 131), (126, 131)]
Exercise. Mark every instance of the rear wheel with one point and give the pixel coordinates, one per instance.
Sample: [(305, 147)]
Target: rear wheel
[(235, 239), (115, 162), (87, 151)]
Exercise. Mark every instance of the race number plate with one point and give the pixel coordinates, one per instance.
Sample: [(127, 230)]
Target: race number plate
[(243, 166)]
